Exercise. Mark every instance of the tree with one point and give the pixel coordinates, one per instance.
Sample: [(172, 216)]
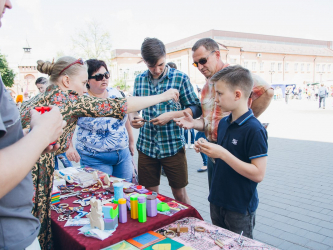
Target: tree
[(122, 84), (93, 42), (7, 74)]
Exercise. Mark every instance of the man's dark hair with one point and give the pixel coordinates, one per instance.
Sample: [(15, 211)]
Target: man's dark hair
[(152, 50), (235, 77), (93, 66), (41, 80), (172, 65), (208, 43)]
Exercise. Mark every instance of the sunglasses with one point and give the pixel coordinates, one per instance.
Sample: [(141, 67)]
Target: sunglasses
[(202, 61), (79, 61), (99, 77)]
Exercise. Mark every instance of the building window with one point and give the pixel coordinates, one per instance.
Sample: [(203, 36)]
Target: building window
[(280, 67), (246, 65), (261, 66), (286, 67), (272, 66), (254, 66), (302, 67), (329, 67), (323, 67), (233, 61), (296, 67), (317, 67), (308, 67)]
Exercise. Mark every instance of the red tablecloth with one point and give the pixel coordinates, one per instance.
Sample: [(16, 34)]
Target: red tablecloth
[(69, 237)]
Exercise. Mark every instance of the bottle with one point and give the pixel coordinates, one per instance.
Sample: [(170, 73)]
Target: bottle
[(142, 210), (151, 206), (118, 190), (122, 210), (134, 206)]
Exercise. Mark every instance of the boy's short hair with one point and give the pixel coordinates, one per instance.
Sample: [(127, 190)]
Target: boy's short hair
[(235, 77), (152, 50)]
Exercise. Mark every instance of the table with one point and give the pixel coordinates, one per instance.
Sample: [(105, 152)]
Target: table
[(69, 237)]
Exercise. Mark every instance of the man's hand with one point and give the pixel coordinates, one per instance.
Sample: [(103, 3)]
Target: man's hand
[(210, 149), (137, 122), (73, 155), (186, 122), (50, 124), (162, 119)]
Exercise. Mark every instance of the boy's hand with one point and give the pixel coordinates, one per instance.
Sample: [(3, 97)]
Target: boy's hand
[(186, 122), (210, 149)]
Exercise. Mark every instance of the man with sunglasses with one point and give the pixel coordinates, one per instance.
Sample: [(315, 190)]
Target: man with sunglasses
[(207, 58), (160, 141)]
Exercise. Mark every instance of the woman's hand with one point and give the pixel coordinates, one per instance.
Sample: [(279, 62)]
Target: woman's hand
[(171, 94), (73, 155)]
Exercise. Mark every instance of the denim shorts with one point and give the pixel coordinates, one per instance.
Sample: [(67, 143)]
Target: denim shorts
[(233, 221), (117, 163)]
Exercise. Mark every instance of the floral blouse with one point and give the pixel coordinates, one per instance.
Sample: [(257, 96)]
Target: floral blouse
[(104, 134), (72, 106)]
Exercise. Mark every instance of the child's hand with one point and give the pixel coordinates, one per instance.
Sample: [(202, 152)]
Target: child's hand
[(210, 149)]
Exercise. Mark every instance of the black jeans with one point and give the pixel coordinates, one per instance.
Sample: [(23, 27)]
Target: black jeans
[(321, 99), (233, 221)]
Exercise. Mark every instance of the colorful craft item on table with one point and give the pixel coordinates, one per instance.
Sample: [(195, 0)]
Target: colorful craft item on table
[(118, 190), (172, 204), (151, 206), (122, 210), (55, 198), (162, 207), (123, 245), (128, 190), (166, 244), (134, 206), (110, 210), (42, 110), (111, 224), (142, 209), (96, 214), (145, 240)]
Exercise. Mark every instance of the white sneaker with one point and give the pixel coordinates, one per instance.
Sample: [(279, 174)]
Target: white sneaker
[(192, 146)]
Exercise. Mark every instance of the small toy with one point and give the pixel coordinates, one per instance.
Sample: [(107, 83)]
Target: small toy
[(142, 209), (134, 206), (118, 190), (162, 207), (122, 210), (111, 214), (95, 216), (80, 215)]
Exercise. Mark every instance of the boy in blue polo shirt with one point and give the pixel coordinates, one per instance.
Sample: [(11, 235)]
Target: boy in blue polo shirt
[(240, 154)]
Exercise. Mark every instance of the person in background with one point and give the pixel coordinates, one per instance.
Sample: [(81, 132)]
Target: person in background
[(121, 92), (204, 157), (42, 83), (287, 93), (322, 92), (299, 93), (26, 96), (105, 144)]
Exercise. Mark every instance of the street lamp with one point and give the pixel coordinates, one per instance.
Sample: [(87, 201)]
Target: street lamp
[(271, 72)]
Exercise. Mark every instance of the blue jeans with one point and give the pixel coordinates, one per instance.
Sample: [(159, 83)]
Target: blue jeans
[(116, 163), (321, 99), (62, 157), (204, 157), (186, 135)]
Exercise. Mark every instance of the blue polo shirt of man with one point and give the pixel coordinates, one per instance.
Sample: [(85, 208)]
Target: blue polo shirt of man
[(246, 139)]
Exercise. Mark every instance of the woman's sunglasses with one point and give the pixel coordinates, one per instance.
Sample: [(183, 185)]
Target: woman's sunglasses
[(99, 77), (202, 61)]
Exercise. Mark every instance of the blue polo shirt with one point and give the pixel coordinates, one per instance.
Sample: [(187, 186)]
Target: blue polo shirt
[(246, 139)]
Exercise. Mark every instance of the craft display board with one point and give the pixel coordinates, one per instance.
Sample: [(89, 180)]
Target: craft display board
[(144, 240), (206, 240)]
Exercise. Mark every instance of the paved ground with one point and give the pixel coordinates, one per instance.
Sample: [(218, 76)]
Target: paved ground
[(296, 196)]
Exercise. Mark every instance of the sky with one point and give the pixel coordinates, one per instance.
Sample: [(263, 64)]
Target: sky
[(50, 25)]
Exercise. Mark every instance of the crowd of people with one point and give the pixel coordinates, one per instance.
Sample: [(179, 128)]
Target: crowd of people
[(231, 139)]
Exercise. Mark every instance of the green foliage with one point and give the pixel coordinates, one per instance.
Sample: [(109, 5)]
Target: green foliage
[(7, 74), (122, 84)]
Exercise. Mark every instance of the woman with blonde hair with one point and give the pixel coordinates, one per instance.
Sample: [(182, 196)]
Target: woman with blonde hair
[(68, 78)]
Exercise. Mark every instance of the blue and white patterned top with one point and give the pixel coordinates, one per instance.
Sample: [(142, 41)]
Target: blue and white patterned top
[(102, 134)]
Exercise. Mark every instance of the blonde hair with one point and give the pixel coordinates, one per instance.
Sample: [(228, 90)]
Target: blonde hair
[(54, 69)]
